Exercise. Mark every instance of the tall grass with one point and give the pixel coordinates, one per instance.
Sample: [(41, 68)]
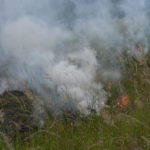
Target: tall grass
[(126, 128)]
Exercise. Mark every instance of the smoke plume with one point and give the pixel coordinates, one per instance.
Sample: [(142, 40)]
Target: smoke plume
[(57, 47)]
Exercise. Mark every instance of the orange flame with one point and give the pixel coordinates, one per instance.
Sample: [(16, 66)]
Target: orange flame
[(123, 102)]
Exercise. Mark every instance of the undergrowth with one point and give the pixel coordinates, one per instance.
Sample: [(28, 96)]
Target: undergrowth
[(125, 128)]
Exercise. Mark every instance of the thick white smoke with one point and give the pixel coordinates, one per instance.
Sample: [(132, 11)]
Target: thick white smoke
[(57, 47)]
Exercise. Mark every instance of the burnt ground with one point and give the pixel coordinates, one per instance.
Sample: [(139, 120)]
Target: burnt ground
[(16, 114)]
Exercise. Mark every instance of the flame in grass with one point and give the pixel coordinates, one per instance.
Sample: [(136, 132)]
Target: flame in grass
[(123, 102)]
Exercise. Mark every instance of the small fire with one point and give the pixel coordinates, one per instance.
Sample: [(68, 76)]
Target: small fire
[(123, 102)]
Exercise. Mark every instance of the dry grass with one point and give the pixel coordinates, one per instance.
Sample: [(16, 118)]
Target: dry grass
[(117, 128)]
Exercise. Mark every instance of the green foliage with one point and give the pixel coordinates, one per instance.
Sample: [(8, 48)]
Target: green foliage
[(115, 128)]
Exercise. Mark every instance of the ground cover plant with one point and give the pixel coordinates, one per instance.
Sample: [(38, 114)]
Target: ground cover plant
[(118, 127)]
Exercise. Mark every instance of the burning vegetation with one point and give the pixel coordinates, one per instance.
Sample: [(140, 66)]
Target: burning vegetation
[(75, 73)]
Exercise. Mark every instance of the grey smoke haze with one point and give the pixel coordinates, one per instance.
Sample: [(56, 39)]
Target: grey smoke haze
[(56, 47)]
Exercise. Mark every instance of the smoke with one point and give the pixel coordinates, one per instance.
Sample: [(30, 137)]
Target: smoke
[(57, 48)]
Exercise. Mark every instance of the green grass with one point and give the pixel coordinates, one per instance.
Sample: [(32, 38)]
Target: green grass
[(114, 129)]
